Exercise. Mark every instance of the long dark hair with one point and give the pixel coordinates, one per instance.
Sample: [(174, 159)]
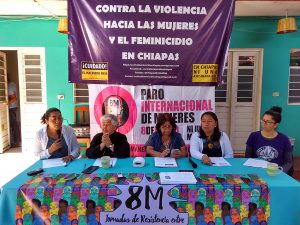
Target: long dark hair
[(47, 114), (275, 112), (162, 118), (217, 133)]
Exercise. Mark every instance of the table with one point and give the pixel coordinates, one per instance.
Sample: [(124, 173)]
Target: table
[(284, 190)]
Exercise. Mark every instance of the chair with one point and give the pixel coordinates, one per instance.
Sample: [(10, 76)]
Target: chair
[(82, 115), (291, 170), (82, 127), (84, 144)]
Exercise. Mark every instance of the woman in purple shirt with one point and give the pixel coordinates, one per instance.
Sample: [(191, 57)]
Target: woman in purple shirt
[(269, 144)]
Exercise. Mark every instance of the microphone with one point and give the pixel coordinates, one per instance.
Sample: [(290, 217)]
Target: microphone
[(194, 165), (58, 132)]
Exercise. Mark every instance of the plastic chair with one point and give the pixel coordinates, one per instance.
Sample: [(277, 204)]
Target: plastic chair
[(291, 170), (84, 144), (81, 115)]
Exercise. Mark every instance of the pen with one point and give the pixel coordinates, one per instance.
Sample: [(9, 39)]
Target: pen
[(67, 163)]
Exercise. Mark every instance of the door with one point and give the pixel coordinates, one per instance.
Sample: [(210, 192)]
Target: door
[(32, 83), (4, 118), (238, 98)]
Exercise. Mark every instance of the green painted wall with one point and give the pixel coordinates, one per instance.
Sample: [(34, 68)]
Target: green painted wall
[(43, 33), (258, 32)]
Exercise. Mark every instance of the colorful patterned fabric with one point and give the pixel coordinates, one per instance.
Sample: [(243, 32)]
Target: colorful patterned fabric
[(94, 198)]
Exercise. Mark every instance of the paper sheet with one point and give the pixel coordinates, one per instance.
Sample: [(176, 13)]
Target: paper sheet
[(48, 163), (113, 162), (256, 163), (219, 161), (177, 178), (165, 162)]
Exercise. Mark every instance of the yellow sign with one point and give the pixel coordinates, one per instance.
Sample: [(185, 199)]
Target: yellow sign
[(94, 71), (205, 73)]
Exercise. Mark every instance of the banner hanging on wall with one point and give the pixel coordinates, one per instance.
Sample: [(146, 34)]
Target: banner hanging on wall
[(149, 42), (137, 108)]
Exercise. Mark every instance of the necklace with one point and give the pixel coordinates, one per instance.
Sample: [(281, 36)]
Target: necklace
[(166, 143)]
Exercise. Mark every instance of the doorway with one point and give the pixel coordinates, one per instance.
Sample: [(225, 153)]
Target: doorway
[(238, 99), (26, 68), (13, 78)]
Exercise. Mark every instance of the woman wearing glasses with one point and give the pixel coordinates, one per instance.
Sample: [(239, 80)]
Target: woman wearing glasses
[(269, 144), (55, 140), (165, 141)]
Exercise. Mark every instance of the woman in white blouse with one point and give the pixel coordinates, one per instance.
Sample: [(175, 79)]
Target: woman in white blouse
[(55, 140), (210, 141)]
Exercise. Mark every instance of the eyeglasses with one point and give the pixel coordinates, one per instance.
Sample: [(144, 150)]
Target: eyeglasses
[(267, 122)]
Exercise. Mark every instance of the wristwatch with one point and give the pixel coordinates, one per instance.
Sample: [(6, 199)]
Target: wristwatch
[(110, 146)]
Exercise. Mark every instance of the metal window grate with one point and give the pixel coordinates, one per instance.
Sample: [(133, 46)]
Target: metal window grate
[(81, 93), (294, 78), (221, 90), (3, 93), (246, 68), (33, 79)]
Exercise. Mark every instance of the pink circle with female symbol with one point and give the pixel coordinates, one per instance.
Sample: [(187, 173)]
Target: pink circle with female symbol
[(118, 101)]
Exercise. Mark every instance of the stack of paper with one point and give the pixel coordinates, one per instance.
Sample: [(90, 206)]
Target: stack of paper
[(48, 163), (219, 161), (112, 162), (165, 162), (177, 178), (256, 163)]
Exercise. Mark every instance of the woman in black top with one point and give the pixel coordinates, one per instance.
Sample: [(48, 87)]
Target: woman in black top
[(109, 142)]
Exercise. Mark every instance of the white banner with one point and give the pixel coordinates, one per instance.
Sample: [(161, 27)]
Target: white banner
[(137, 107)]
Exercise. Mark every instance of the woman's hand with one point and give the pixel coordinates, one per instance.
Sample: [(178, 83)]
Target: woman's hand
[(106, 140), (179, 153), (55, 146), (206, 160), (176, 153), (68, 158), (165, 152)]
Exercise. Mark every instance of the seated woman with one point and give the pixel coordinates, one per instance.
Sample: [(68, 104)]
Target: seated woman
[(56, 140), (210, 141), (165, 139), (268, 144), (109, 142)]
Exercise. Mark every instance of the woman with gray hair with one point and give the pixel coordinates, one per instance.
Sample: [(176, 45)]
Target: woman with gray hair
[(109, 142)]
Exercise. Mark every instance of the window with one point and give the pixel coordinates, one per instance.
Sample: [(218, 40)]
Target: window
[(81, 93), (221, 90), (33, 78), (246, 70), (294, 77), (3, 94)]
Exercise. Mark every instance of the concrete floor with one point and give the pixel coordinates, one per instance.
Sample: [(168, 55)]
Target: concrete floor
[(13, 162)]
